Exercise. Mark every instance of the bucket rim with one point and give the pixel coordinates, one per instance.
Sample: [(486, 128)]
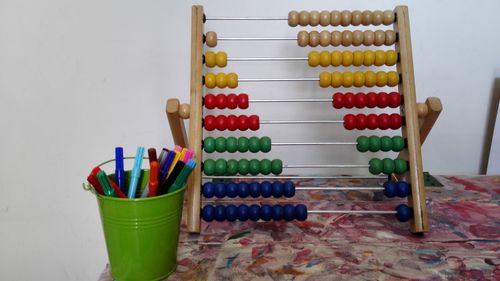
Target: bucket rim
[(99, 196)]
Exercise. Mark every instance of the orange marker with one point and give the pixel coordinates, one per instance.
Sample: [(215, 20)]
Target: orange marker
[(153, 178)]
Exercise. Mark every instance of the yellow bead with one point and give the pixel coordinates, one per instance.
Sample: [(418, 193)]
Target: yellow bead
[(221, 59), (221, 80), (210, 59), (337, 79), (348, 79), (359, 79), (232, 80), (325, 79), (369, 58), (370, 78), (210, 80), (392, 78), (357, 58), (325, 58), (347, 58), (313, 58), (336, 58), (379, 58), (391, 58), (381, 78)]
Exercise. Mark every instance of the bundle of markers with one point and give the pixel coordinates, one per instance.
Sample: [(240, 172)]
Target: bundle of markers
[(167, 173)]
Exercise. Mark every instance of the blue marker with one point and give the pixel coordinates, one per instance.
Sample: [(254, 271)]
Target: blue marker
[(119, 171), (165, 166), (136, 172)]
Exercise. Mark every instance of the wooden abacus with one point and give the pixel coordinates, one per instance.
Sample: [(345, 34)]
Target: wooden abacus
[(416, 120)]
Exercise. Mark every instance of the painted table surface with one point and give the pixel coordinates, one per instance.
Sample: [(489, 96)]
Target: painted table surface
[(463, 242)]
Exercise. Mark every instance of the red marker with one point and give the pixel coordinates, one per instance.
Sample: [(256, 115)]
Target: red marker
[(153, 179), (92, 179), (152, 155), (118, 191)]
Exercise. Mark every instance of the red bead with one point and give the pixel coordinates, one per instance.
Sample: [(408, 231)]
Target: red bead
[(371, 100), (338, 100), (382, 100), (361, 121), (360, 100), (242, 122), (372, 121), (209, 123), (254, 122), (243, 101), (221, 101), (396, 121), (349, 121), (384, 121), (394, 100), (232, 101), (209, 101), (348, 100), (221, 122), (232, 122)]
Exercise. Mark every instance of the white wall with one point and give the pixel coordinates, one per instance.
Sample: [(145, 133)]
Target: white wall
[(78, 78)]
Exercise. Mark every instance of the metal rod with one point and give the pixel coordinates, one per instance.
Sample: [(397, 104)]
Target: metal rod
[(255, 38), (301, 121), (343, 188), (246, 18), (266, 59), (293, 166), (372, 212), (290, 100), (295, 177), (300, 79), (312, 143)]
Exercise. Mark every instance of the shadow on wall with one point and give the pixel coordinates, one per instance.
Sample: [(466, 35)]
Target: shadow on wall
[(490, 125)]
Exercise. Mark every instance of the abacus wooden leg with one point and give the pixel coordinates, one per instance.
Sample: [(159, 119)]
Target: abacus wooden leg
[(176, 123), (434, 108)]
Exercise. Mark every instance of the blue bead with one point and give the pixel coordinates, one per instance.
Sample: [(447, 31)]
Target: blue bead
[(403, 213), (266, 212), (278, 212), (288, 189), (277, 189), (289, 212), (254, 212), (301, 212), (232, 190), (266, 189), (403, 189), (231, 212), (208, 190), (254, 189), (243, 212), (208, 213), (243, 190), (220, 190), (390, 189), (220, 213)]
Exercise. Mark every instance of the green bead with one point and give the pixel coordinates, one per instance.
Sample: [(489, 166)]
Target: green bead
[(254, 168), (276, 166), (209, 145), (376, 166), (231, 145), (388, 166), (400, 166), (385, 143), (398, 143), (243, 165), (254, 144), (232, 167), (363, 143), (242, 144), (265, 144), (265, 166), (220, 144), (209, 167), (374, 143), (220, 167)]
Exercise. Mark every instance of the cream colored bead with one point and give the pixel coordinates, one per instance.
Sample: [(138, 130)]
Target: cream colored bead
[(184, 110), (346, 38), (336, 38), (368, 37), (335, 18), (356, 18), (345, 18), (324, 18), (303, 38), (357, 38), (325, 37), (388, 17), (366, 18), (377, 17), (390, 37), (304, 18), (293, 18), (313, 38), (313, 18), (379, 38), (211, 39)]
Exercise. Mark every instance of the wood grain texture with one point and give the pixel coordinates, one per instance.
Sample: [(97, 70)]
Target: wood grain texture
[(434, 108), (176, 123)]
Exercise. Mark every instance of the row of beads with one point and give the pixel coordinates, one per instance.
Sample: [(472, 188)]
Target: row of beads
[(231, 122), (387, 166), (344, 18), (370, 100), (346, 38), (223, 167), (376, 143), (232, 145), (382, 121), (221, 80), (222, 101), (358, 79), (254, 212), (215, 59), (254, 189), (356, 58)]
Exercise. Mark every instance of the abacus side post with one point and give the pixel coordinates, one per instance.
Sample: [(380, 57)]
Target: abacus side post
[(176, 123)]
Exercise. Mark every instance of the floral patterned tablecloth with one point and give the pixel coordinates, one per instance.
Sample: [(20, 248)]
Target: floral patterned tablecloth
[(463, 242)]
